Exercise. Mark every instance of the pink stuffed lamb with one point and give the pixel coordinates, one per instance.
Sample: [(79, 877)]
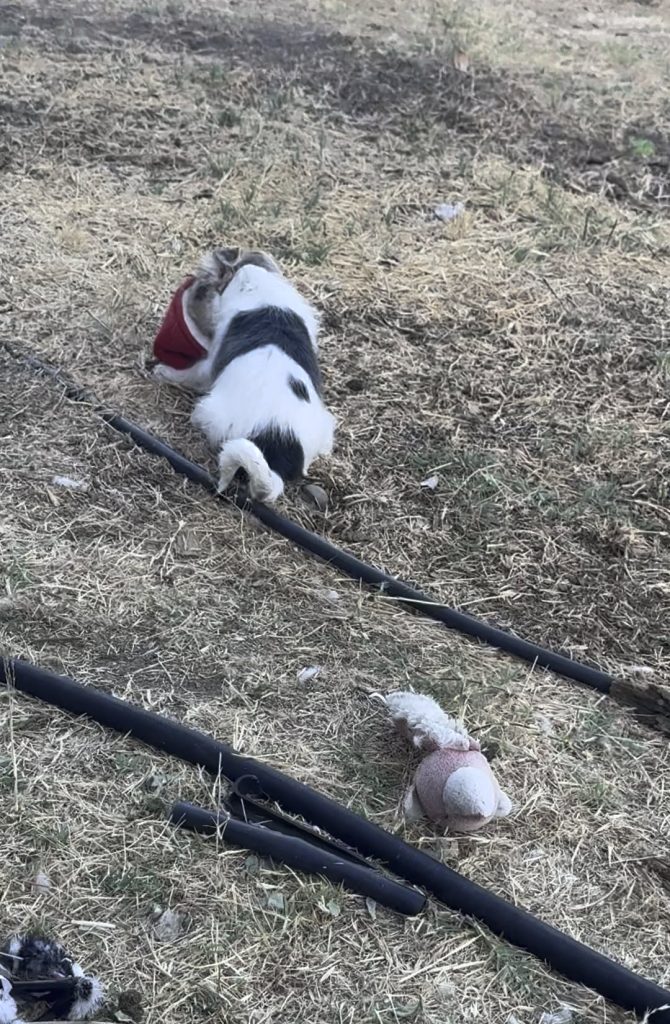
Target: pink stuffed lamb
[(453, 785)]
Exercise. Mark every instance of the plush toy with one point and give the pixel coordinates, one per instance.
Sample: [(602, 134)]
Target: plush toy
[(453, 785)]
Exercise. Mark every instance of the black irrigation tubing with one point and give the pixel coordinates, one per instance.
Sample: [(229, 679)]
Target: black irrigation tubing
[(565, 955), (301, 856), (342, 560), (43, 986)]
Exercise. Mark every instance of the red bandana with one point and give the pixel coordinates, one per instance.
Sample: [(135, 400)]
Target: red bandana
[(174, 344)]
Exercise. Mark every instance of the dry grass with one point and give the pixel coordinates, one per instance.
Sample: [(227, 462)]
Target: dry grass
[(520, 353)]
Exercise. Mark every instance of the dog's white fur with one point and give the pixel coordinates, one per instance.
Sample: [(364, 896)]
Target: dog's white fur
[(426, 724), (252, 393), (8, 1008), (89, 1000)]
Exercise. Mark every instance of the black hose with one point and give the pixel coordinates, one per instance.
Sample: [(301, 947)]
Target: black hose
[(301, 856), (35, 987), (567, 956), (343, 560)]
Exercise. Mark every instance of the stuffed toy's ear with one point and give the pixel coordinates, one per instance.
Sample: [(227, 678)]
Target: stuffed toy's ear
[(411, 806), (504, 805)]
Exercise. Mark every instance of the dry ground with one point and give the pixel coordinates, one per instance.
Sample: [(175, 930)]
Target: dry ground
[(520, 354)]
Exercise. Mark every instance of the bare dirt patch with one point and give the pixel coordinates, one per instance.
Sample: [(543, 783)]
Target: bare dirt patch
[(416, 96)]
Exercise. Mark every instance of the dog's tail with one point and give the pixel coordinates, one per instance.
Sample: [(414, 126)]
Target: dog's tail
[(264, 484)]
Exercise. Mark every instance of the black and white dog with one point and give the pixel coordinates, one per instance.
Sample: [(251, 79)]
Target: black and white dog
[(260, 380), (27, 961)]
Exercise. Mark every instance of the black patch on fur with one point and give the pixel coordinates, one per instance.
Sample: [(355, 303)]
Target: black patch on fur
[(299, 389), (37, 957), (269, 325), (282, 451), (227, 256)]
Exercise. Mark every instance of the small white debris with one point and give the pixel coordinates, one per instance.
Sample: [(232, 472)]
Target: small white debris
[(169, 925), (449, 211), (408, 1010), (252, 864), (430, 483), (305, 675), (562, 1016), (155, 784), (276, 902), (42, 882), (329, 595), (70, 483), (545, 725), (444, 989), (371, 908)]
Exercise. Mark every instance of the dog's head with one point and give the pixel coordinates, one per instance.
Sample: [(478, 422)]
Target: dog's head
[(216, 271), (219, 266), (188, 329)]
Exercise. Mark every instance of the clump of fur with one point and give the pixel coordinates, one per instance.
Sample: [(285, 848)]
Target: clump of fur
[(425, 724)]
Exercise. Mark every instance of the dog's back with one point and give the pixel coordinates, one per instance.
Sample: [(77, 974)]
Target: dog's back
[(265, 404)]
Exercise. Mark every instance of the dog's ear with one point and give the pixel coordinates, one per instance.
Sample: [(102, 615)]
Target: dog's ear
[(217, 268), (257, 258), (228, 256)]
